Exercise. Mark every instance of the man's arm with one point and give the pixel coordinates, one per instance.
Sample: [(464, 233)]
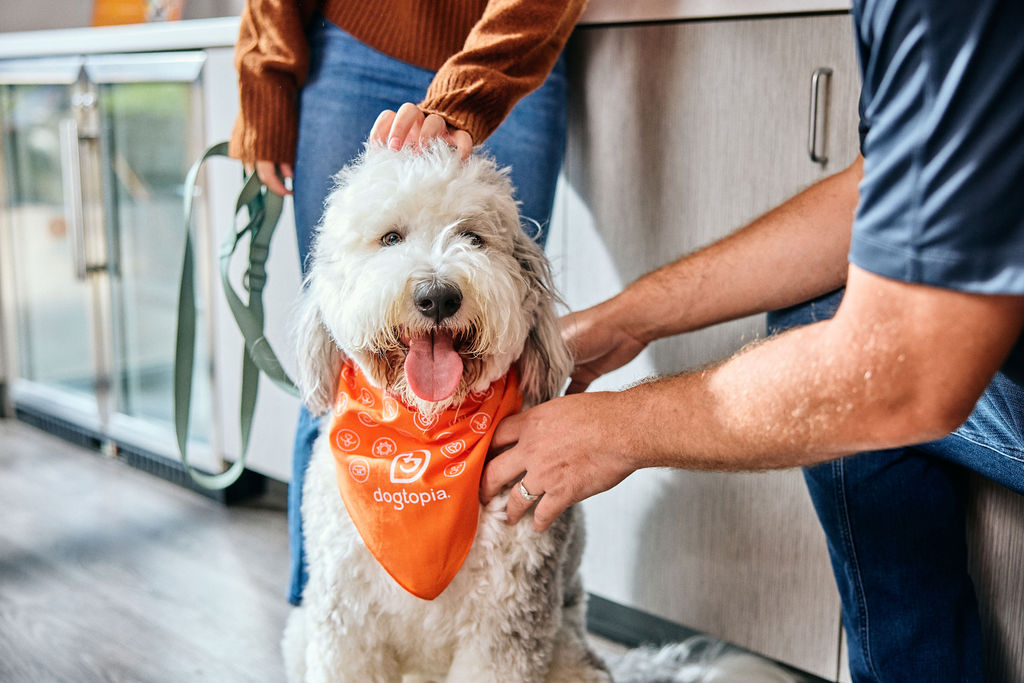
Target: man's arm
[(899, 364), (789, 255)]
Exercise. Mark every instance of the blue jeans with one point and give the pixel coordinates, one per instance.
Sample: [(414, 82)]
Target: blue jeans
[(894, 521), (348, 85)]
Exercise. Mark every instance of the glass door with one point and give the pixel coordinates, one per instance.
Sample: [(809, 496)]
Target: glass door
[(150, 113), (95, 154), (53, 336)]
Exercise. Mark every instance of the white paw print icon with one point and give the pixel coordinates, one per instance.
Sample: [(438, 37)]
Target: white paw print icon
[(384, 447), (408, 467)]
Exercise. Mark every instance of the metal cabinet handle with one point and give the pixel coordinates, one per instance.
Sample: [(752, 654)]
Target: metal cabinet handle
[(812, 136), (71, 178)]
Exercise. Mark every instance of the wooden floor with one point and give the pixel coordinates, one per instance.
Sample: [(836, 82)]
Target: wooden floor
[(108, 573)]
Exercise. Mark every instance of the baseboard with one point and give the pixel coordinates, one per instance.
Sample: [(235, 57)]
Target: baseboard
[(249, 485), (63, 429), (633, 628)]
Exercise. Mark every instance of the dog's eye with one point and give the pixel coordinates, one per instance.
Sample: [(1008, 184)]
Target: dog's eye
[(392, 238), (474, 239)]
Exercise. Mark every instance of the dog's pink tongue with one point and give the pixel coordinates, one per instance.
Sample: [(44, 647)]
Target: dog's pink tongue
[(433, 368)]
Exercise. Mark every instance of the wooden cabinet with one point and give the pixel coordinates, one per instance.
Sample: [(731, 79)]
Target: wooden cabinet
[(679, 134)]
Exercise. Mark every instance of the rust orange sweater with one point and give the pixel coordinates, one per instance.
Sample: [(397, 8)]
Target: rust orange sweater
[(488, 54)]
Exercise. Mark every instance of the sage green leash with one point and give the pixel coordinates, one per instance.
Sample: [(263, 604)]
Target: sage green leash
[(264, 209)]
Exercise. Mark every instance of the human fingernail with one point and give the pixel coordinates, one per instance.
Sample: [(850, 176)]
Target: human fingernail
[(395, 143)]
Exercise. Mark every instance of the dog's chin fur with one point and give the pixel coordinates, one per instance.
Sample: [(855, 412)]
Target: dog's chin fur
[(395, 222)]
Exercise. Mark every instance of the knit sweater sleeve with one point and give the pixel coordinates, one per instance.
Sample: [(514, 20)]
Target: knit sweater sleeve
[(508, 54), (271, 57)]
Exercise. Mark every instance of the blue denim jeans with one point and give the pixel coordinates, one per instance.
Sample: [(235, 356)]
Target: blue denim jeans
[(894, 521), (348, 85)]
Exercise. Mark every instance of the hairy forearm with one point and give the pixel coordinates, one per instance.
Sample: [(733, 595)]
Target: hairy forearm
[(791, 254), (899, 364), (788, 402)]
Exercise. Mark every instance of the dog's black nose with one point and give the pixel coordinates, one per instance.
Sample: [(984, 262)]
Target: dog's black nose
[(437, 300)]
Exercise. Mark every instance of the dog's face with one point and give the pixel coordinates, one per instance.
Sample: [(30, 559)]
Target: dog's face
[(420, 273)]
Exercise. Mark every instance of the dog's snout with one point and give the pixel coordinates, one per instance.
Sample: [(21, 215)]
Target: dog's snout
[(437, 300)]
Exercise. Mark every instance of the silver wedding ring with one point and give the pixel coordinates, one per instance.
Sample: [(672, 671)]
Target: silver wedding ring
[(527, 496)]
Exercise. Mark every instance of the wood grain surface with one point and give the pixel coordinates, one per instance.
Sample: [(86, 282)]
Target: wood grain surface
[(110, 574)]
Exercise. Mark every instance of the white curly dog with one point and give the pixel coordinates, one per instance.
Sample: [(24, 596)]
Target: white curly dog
[(422, 281)]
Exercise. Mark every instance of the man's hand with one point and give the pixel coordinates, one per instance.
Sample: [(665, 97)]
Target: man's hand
[(598, 345), (410, 126), (569, 448), (268, 173)]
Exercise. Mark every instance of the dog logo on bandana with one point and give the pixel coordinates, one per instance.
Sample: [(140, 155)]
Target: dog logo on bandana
[(409, 467)]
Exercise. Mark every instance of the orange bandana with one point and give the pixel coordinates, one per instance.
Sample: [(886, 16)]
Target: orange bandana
[(411, 483)]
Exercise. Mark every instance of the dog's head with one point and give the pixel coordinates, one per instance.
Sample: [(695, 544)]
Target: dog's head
[(421, 274)]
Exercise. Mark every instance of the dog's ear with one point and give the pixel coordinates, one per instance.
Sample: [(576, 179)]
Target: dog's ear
[(545, 362), (319, 357)]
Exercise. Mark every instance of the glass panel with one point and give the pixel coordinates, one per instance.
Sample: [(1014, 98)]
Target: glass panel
[(55, 337), (148, 129)]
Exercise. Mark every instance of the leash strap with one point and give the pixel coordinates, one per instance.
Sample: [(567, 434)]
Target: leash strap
[(263, 208)]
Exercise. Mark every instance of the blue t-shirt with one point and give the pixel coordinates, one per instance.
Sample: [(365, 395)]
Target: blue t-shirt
[(942, 133)]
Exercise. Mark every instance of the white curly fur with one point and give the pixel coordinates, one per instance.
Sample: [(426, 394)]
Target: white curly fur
[(359, 293), (515, 611)]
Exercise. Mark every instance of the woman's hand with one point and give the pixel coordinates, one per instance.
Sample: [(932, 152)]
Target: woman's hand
[(268, 173), (410, 126)]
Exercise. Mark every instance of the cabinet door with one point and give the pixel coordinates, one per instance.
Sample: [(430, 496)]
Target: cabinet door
[(679, 134), (149, 131)]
